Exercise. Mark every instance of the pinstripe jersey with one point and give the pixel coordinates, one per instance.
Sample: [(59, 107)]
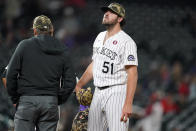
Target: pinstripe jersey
[(110, 58)]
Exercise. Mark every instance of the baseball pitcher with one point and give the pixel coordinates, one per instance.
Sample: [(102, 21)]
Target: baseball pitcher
[(114, 71)]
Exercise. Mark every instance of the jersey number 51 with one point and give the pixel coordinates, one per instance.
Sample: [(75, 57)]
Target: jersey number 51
[(107, 66)]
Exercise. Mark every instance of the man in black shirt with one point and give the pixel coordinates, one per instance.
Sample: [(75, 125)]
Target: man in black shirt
[(39, 67)]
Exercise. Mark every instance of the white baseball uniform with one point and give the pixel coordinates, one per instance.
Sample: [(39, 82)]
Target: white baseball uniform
[(109, 60)]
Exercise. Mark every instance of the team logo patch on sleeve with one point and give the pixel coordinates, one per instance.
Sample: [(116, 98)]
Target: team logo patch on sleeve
[(131, 58)]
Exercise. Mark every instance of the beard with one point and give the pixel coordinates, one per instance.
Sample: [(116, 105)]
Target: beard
[(111, 23)]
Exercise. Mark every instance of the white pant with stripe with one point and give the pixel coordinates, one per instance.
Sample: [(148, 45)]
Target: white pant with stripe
[(106, 109)]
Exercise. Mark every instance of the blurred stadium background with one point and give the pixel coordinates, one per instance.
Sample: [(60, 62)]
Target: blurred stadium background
[(165, 34)]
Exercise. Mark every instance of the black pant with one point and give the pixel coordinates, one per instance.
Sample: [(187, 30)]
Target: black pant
[(36, 111)]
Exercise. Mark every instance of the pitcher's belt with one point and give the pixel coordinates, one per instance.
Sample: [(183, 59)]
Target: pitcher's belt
[(103, 87)]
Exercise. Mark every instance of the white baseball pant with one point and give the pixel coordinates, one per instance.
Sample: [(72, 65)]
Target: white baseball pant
[(106, 109)]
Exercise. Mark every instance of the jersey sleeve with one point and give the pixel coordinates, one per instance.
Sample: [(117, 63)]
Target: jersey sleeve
[(93, 55), (94, 47), (130, 53)]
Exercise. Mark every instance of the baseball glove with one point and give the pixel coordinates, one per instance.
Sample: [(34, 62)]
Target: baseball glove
[(80, 121), (84, 96)]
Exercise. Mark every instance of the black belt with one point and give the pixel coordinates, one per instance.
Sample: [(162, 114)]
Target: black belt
[(103, 87)]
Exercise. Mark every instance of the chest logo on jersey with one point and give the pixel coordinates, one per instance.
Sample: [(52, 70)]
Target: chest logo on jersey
[(115, 42), (105, 51)]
